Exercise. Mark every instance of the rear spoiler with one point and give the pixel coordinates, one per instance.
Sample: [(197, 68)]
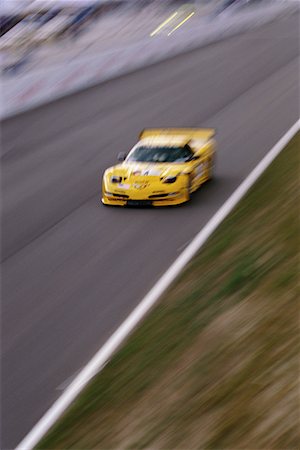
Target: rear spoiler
[(189, 133)]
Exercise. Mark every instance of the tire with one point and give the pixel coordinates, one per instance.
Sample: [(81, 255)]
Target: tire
[(188, 188), (211, 165)]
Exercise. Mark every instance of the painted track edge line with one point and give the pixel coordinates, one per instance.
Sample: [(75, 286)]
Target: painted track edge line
[(99, 360)]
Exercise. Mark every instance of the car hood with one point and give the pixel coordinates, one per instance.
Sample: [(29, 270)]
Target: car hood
[(133, 171)]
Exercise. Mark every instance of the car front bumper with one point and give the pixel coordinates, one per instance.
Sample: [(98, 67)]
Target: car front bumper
[(166, 199)]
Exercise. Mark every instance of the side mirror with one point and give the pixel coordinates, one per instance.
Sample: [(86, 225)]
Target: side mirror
[(122, 156)]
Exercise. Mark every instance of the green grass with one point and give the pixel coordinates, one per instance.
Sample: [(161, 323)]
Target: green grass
[(215, 364)]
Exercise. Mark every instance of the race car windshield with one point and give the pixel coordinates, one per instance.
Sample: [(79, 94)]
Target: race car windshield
[(161, 154)]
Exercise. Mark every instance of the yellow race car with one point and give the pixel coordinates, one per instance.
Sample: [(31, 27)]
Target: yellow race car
[(163, 168)]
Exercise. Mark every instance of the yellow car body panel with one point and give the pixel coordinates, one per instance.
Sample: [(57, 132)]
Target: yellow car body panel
[(151, 183)]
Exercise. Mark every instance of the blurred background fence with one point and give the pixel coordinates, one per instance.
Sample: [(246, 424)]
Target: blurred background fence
[(49, 49)]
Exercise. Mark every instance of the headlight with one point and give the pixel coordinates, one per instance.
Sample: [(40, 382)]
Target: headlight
[(116, 179), (170, 179)]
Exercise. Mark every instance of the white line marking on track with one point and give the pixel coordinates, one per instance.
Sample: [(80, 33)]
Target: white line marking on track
[(113, 343)]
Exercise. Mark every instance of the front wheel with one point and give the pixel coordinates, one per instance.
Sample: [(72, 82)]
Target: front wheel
[(210, 168), (189, 187)]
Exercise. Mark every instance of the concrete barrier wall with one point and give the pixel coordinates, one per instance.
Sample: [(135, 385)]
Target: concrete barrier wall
[(22, 92)]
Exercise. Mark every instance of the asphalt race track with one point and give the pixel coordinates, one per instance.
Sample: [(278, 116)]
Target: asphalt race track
[(73, 269)]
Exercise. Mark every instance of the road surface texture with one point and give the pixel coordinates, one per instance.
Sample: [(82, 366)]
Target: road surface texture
[(74, 269)]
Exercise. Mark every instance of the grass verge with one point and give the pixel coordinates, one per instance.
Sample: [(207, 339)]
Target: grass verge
[(216, 363)]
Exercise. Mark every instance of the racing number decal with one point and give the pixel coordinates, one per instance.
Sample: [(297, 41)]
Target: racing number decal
[(199, 170), (199, 173)]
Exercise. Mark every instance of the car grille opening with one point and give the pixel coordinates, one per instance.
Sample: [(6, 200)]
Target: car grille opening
[(158, 195), (121, 195), (139, 203)]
